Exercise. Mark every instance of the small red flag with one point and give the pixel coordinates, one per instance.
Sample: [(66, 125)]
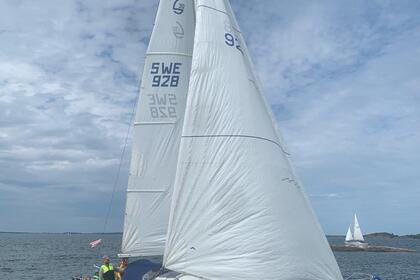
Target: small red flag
[(95, 243)]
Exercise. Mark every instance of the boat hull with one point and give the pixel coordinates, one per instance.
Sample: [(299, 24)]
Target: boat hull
[(356, 244), (138, 270)]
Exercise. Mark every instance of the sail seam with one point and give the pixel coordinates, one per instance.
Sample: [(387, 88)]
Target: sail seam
[(237, 136), (146, 190), (153, 123), (169, 53)]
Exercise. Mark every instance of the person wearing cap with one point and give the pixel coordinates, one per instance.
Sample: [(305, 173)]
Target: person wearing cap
[(107, 270)]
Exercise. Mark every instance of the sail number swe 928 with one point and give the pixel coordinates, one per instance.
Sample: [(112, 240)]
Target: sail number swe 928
[(165, 74), (163, 103)]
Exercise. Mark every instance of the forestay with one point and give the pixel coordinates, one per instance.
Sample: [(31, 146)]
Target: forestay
[(157, 129), (237, 211)]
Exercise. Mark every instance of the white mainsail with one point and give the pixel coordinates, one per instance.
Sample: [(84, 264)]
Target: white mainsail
[(157, 129), (238, 211), (349, 235), (357, 232)]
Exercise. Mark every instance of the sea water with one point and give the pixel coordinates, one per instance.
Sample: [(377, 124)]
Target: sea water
[(61, 256), (388, 266)]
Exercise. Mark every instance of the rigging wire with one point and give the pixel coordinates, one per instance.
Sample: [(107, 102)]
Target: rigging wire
[(125, 144), (139, 87), (117, 176), (127, 134)]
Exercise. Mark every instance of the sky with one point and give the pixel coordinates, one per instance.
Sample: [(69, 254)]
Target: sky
[(342, 78)]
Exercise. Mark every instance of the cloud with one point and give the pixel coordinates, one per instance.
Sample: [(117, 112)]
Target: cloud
[(342, 81), (69, 76), (327, 195)]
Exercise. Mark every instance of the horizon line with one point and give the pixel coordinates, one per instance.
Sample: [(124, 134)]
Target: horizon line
[(120, 232)]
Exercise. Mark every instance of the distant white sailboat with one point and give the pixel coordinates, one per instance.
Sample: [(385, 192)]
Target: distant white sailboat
[(356, 238)]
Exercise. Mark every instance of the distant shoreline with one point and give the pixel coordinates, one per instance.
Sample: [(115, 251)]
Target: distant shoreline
[(386, 235), (391, 235)]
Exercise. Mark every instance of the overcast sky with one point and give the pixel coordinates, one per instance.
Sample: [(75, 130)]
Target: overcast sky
[(343, 79)]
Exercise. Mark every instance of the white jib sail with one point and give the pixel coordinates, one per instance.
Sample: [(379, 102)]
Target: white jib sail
[(349, 236), (357, 232), (157, 129), (237, 210)]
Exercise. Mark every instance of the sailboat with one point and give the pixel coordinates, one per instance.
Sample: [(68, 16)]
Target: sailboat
[(211, 192), (355, 238)]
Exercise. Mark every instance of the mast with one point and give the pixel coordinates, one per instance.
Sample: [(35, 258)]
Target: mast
[(237, 209), (157, 129), (357, 232)]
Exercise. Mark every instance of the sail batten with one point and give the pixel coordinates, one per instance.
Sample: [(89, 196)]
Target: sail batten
[(168, 53), (155, 123), (237, 208)]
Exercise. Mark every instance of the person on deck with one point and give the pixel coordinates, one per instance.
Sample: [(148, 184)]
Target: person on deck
[(123, 265), (107, 270)]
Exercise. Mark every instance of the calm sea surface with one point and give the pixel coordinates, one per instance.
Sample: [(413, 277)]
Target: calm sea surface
[(61, 256)]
